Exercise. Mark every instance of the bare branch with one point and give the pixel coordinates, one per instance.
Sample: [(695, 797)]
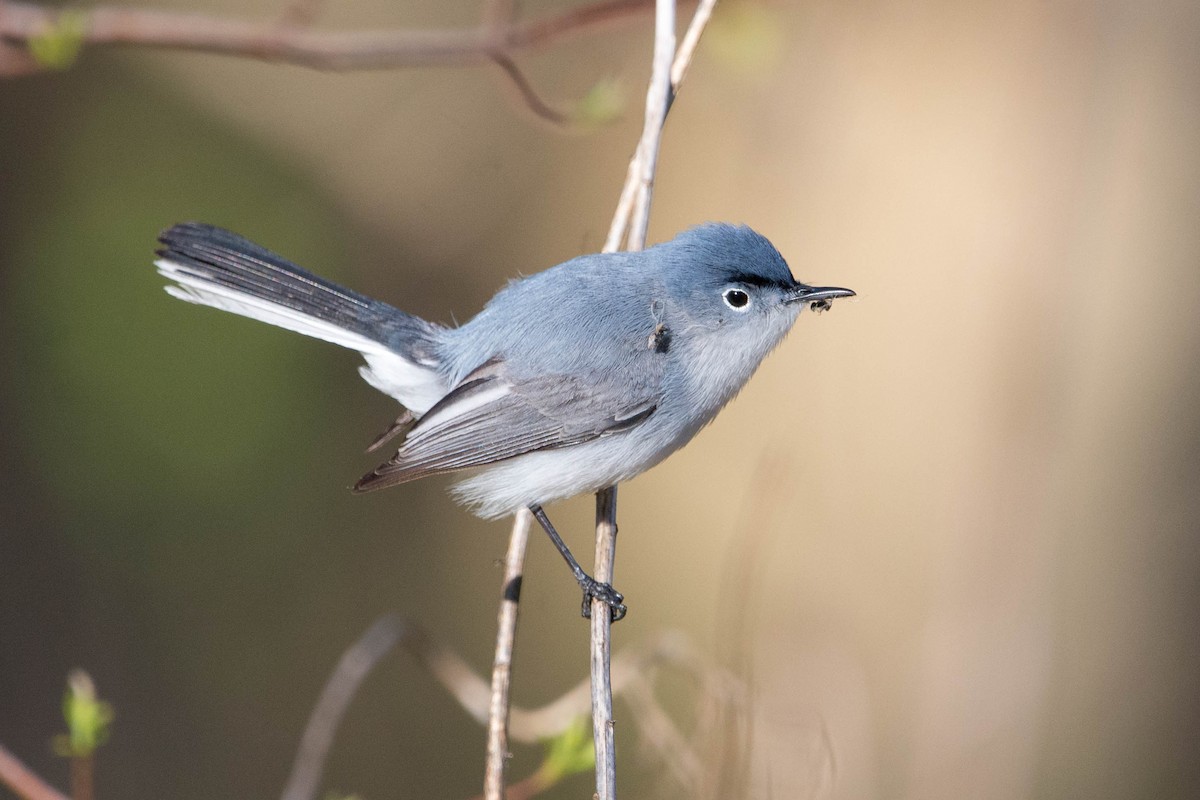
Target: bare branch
[(528, 94), (321, 50), (683, 59), (353, 667), (620, 220), (603, 732), (506, 634), (23, 781), (658, 101), (687, 48)]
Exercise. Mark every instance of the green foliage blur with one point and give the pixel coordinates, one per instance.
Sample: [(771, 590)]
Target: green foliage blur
[(88, 718), (58, 46), (569, 753)]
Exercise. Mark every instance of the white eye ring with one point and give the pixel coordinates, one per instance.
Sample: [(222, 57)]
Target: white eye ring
[(736, 299)]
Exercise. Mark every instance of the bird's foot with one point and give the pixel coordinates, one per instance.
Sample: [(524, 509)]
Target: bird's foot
[(606, 594)]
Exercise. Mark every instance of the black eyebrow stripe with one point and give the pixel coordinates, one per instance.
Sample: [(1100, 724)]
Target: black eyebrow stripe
[(756, 280)]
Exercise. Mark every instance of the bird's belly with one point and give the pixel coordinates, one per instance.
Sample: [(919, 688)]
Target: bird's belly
[(548, 475)]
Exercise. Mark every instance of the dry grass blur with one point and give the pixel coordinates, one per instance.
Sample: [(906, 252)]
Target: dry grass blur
[(975, 488)]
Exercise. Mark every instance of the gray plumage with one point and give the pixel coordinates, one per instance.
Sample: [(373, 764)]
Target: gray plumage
[(570, 380)]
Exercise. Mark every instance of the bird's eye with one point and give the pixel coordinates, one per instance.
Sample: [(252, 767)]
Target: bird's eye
[(736, 299)]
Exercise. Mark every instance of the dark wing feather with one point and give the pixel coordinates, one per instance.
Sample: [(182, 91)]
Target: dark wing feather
[(491, 416)]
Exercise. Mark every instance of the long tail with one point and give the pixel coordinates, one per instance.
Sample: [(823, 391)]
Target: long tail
[(214, 267)]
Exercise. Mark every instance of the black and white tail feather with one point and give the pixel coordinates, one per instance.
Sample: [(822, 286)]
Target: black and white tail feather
[(214, 267)]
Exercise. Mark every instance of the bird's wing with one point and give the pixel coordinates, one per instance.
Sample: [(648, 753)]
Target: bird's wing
[(492, 415)]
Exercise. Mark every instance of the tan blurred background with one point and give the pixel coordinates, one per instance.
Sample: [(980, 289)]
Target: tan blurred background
[(967, 501)]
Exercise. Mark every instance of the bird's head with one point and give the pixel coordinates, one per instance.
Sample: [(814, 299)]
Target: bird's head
[(730, 277)]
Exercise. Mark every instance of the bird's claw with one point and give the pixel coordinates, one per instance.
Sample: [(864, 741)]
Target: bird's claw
[(606, 594)]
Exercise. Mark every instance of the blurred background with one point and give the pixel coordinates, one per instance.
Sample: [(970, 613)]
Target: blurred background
[(949, 534)]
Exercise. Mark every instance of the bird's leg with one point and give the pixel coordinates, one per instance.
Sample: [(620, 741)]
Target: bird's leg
[(603, 592)]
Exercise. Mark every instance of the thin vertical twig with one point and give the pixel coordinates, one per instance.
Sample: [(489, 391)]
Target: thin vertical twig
[(630, 225), (683, 59), (603, 732), (658, 99), (687, 47), (498, 707)]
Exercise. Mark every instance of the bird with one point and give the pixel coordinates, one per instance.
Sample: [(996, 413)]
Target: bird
[(568, 381)]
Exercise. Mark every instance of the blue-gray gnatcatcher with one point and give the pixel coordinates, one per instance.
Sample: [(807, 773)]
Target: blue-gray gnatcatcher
[(568, 381)]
